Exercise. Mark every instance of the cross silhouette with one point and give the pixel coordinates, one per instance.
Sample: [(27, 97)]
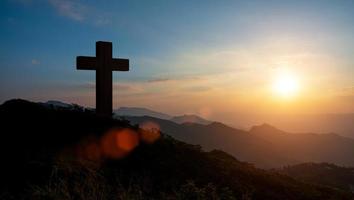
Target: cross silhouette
[(104, 64)]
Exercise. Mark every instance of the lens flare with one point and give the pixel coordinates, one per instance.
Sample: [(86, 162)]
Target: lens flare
[(119, 143)]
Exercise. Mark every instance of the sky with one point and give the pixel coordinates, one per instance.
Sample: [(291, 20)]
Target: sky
[(212, 58)]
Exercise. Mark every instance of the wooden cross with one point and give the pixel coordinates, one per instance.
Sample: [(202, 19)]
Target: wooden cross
[(104, 64)]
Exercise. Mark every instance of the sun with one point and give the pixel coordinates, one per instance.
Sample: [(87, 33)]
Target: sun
[(286, 84)]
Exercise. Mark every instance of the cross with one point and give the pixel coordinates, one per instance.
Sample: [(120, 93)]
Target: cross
[(104, 64)]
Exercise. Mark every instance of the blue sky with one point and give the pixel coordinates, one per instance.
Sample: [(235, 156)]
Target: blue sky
[(197, 55)]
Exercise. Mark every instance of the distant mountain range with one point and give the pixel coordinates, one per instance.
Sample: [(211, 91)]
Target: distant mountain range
[(136, 111), (340, 123), (263, 145), (190, 119), (320, 123)]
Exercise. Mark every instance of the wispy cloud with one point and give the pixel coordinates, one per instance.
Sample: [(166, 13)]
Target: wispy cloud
[(23, 2), (349, 90), (71, 9), (123, 87), (127, 87), (81, 12), (198, 88), (35, 62), (157, 80)]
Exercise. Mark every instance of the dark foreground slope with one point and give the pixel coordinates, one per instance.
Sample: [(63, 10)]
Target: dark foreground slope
[(322, 173), (71, 154)]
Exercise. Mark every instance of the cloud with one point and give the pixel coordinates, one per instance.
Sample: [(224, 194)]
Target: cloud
[(347, 94), (158, 80), (70, 9), (198, 88), (35, 62), (347, 98), (175, 79), (77, 11), (349, 89), (126, 87), (343, 91), (11, 20), (102, 21), (24, 2)]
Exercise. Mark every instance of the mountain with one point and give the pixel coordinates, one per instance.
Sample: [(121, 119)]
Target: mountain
[(321, 123), (323, 174), (135, 111), (190, 119), (340, 123), (309, 147), (73, 154), (265, 146), (238, 143), (139, 112), (58, 104)]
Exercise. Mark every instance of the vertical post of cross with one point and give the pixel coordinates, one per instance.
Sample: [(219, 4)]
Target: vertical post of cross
[(104, 78)]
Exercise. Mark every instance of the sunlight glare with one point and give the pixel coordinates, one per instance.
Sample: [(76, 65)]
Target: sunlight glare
[(286, 84)]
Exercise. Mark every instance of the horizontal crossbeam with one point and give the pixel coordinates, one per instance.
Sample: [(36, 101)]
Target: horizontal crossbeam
[(86, 62), (90, 63), (119, 64)]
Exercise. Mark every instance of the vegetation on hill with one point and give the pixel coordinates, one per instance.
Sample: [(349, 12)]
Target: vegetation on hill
[(58, 153), (322, 173)]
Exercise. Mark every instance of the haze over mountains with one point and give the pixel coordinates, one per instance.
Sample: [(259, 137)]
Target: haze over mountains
[(136, 111), (263, 145), (341, 124)]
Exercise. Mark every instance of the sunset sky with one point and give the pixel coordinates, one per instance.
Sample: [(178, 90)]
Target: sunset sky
[(210, 58)]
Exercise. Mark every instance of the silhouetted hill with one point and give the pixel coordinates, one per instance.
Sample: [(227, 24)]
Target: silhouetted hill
[(322, 173), (58, 104), (190, 119), (73, 154), (264, 145)]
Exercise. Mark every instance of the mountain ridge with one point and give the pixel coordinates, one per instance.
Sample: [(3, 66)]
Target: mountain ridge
[(263, 145), (190, 119)]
